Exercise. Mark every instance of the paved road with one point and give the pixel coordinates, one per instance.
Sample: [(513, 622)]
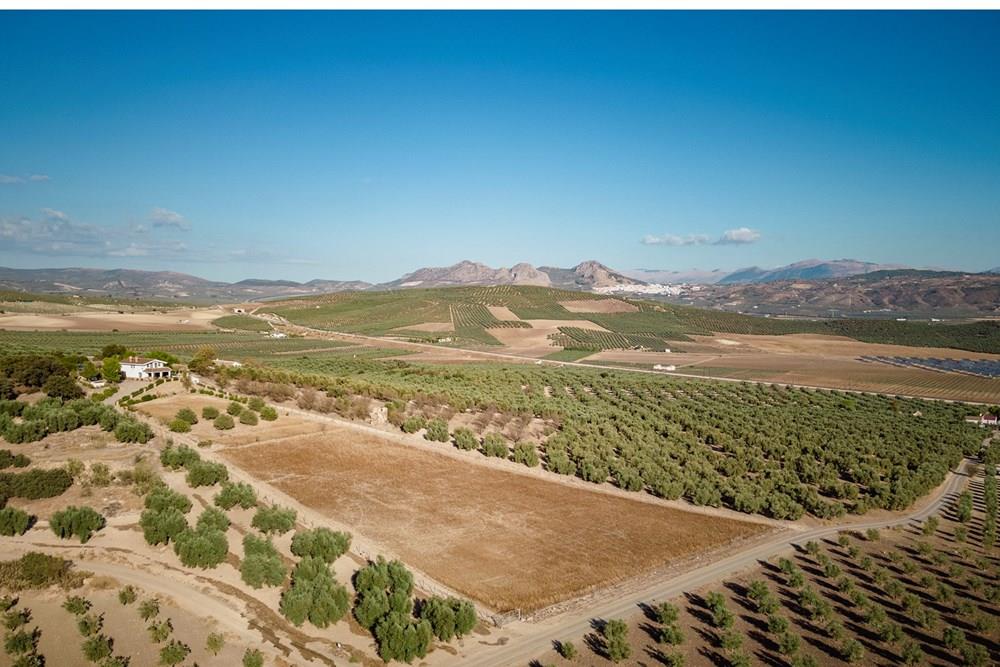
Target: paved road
[(530, 640)]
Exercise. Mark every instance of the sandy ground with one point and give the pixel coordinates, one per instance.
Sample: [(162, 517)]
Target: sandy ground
[(641, 357), (176, 320), (817, 344), (433, 327), (598, 306), (503, 313), (534, 342), (507, 540)]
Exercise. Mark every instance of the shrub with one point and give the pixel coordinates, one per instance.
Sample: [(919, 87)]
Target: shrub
[(253, 658), (62, 386), (223, 422), (35, 484), (275, 519), (448, 617), (80, 522), (256, 403), (132, 430), (525, 453), (383, 587), (162, 526), (202, 547), (567, 649), (262, 564), (206, 473), (322, 543), (234, 409), (214, 519), (616, 640), (160, 632), (413, 424), (268, 414), (188, 415), (209, 412), (400, 637), (437, 431), (23, 643), (236, 493), (174, 653), (214, 643), (178, 457), (9, 459), (127, 595), (149, 609), (97, 648), (180, 426), (248, 417), (163, 497), (465, 439), (494, 444), (314, 595), (76, 605), (14, 521)]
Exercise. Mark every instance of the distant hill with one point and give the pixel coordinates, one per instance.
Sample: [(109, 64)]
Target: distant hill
[(810, 269), (585, 275), (159, 285), (668, 277)]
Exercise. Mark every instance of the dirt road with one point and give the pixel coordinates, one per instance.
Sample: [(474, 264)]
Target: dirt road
[(527, 640)]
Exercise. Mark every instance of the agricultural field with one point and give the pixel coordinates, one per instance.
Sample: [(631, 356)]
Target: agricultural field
[(926, 593), (510, 541), (241, 322), (376, 313)]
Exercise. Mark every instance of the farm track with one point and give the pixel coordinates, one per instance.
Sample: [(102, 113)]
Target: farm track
[(532, 639), (506, 356)]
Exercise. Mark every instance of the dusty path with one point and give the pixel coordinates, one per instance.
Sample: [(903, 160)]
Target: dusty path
[(527, 640)]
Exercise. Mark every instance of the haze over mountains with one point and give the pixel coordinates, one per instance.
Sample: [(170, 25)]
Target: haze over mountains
[(811, 287)]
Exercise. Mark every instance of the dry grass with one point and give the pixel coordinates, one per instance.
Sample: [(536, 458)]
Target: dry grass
[(181, 320), (507, 540)]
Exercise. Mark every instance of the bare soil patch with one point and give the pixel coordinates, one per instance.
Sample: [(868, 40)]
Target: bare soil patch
[(177, 320), (433, 327), (598, 306), (534, 342), (510, 541), (502, 313)]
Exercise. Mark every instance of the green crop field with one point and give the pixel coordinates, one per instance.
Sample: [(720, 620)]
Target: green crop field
[(377, 313)]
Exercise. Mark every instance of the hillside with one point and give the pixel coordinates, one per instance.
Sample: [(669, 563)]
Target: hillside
[(461, 315), (585, 275)]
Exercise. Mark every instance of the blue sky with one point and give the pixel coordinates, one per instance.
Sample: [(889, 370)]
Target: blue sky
[(364, 145)]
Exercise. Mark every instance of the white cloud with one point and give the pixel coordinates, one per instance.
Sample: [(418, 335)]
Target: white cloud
[(674, 240), (6, 179), (164, 217), (741, 235), (53, 214), (738, 236)]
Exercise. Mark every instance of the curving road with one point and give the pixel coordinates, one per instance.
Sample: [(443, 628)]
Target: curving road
[(529, 640)]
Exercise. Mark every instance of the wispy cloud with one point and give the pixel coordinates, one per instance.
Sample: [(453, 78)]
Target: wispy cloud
[(53, 214), (6, 179), (738, 236), (164, 217)]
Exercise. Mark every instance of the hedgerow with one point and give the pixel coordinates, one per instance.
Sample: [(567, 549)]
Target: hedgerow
[(79, 522)]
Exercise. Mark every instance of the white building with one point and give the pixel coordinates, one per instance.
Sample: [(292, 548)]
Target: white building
[(140, 368)]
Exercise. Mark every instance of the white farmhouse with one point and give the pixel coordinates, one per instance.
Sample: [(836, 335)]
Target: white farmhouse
[(140, 368)]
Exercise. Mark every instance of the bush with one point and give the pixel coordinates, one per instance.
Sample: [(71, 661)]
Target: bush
[(567, 649), (163, 497), (188, 415), (400, 637), (524, 453), (97, 648), (174, 653), (236, 493), (248, 417), (132, 430), (256, 403), (80, 522), (382, 587), (494, 444), (77, 605), (322, 543), (35, 570), (14, 521), (209, 412), (202, 547), (9, 459), (268, 414), (437, 431), (214, 643), (127, 595), (616, 640), (262, 564), (223, 422), (234, 409), (212, 518), (413, 424), (35, 484), (206, 473), (275, 519), (179, 426), (62, 386), (465, 439), (253, 658), (314, 595), (449, 617), (179, 457), (162, 526)]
